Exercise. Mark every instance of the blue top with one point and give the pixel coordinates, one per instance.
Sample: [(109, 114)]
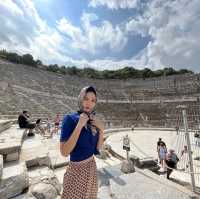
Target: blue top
[(86, 143)]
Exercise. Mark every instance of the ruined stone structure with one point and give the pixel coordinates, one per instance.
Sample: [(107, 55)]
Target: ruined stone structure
[(148, 102)]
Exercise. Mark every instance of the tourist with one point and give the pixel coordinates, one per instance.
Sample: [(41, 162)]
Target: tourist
[(171, 162), (23, 121), (159, 142), (184, 162), (162, 152), (177, 130), (185, 150), (82, 138), (158, 145), (39, 127), (197, 136), (57, 123)]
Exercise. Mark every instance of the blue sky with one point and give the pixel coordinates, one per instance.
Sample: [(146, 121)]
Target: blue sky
[(104, 34)]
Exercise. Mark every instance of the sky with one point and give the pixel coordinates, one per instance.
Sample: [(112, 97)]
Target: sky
[(104, 34)]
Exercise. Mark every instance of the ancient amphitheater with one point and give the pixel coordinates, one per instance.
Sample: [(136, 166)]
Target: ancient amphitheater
[(33, 167), (149, 102)]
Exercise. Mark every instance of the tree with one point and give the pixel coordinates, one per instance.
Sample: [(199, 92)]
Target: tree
[(13, 57), (158, 73), (184, 71), (27, 59), (146, 73), (124, 73), (90, 72), (169, 71), (73, 70), (3, 53), (53, 68), (38, 62), (62, 70)]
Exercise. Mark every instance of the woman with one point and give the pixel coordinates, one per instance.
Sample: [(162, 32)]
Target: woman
[(162, 156), (81, 137)]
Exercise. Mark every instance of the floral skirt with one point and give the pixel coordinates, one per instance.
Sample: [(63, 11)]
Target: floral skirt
[(80, 180)]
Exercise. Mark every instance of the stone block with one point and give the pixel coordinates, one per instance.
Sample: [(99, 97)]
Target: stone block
[(14, 181)]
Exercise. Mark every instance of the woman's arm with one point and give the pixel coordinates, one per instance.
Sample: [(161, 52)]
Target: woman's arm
[(68, 146)]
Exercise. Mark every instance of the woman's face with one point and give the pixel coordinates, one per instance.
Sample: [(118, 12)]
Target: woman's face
[(89, 102)]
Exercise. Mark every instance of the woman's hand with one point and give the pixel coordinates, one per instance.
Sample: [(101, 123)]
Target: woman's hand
[(83, 120), (96, 122)]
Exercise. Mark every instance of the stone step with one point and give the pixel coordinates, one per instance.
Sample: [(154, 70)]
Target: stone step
[(11, 142), (57, 160), (33, 152), (59, 172), (142, 184), (145, 162), (5, 124), (21, 196), (55, 157), (8, 117), (169, 183), (15, 116), (42, 151), (14, 181), (185, 178), (43, 183)]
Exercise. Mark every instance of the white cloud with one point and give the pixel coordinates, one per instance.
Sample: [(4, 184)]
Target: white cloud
[(26, 32), (66, 27), (138, 26), (92, 38), (87, 18), (114, 4), (174, 27), (23, 31), (10, 6)]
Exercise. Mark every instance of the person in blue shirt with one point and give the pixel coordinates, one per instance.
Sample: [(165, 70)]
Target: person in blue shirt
[(81, 138)]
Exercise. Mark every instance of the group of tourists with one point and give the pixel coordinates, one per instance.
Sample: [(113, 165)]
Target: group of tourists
[(168, 159), (39, 126)]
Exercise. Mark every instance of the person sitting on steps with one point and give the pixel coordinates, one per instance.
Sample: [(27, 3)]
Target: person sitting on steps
[(24, 123)]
